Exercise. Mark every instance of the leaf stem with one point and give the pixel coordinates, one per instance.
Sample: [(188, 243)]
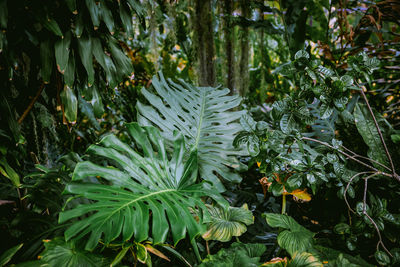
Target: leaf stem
[(283, 204), (196, 249)]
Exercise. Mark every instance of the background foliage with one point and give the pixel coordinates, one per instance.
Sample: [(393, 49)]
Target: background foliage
[(303, 144)]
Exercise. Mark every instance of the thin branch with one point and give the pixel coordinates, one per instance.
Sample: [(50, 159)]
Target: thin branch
[(347, 155), (347, 188), (362, 157), (380, 135), (380, 242), (30, 106)]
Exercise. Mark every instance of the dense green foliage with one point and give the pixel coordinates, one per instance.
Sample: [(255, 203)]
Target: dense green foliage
[(199, 133)]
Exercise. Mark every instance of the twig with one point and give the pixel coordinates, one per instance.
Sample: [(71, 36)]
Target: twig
[(347, 155), (380, 242), (30, 106), (397, 177), (347, 188), (362, 157)]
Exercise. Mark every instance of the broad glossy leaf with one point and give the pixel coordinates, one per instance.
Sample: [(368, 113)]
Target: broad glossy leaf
[(107, 16), (85, 52), (366, 127), (226, 223), (126, 17), (60, 253), (140, 184), (61, 48), (79, 25), (94, 12), (288, 123), (296, 238), (69, 75), (47, 60), (70, 103), (204, 116), (305, 259), (122, 62), (52, 25)]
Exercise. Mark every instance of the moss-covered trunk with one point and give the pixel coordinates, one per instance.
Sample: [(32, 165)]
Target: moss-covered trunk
[(244, 51), (204, 38), (229, 33)]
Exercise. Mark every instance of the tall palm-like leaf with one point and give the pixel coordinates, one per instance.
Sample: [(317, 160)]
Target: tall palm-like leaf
[(204, 116), (138, 186)]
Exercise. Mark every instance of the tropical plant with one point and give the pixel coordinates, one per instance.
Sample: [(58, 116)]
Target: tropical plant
[(303, 247), (226, 223), (205, 118), (137, 185)]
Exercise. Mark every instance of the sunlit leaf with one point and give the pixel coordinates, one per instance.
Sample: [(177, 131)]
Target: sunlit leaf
[(226, 223)]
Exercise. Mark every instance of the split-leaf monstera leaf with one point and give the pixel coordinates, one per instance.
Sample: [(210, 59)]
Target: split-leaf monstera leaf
[(138, 184), (204, 116), (226, 223)]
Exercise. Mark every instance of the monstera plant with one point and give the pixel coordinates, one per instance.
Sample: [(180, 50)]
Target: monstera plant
[(205, 117), (138, 189)]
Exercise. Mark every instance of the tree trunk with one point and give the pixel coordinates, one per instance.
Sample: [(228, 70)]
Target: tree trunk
[(244, 51), (205, 42), (229, 32)]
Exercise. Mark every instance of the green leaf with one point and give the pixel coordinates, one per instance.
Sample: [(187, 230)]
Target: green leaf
[(238, 254), (8, 254), (141, 253), (226, 223), (288, 123), (61, 48), (3, 14), (138, 185), (325, 111), (94, 12), (97, 103), (71, 5), (304, 259), (301, 54), (248, 123), (47, 59), (342, 228), (296, 238), (10, 173), (119, 256), (69, 75), (126, 17), (253, 145), (85, 52), (107, 17), (122, 62), (204, 116), (366, 128), (382, 258), (60, 253), (70, 103), (52, 25), (79, 25)]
